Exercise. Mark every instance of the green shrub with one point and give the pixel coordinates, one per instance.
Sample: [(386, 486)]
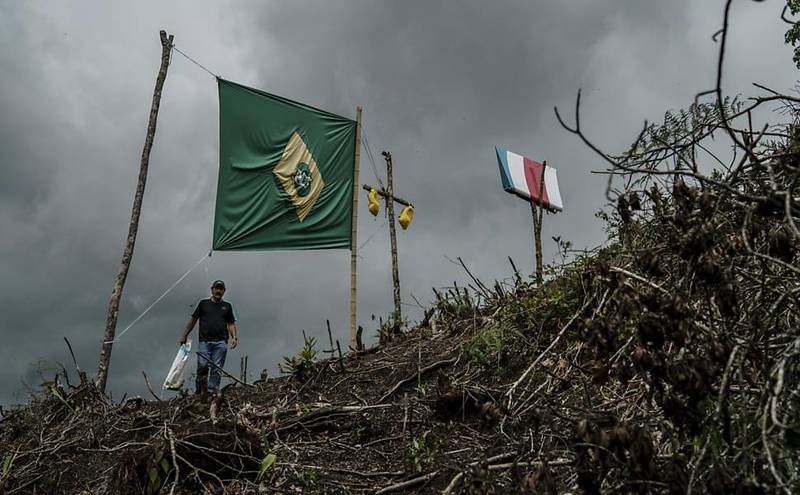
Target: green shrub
[(491, 347), (304, 364), (420, 453)]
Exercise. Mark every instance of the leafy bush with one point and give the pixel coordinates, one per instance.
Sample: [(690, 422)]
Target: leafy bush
[(304, 364), (420, 453)]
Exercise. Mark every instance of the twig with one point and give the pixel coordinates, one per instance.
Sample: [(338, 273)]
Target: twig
[(517, 276), (639, 278), (149, 387), (341, 361), (484, 290), (171, 438), (212, 363), (405, 413), (510, 392), (330, 336), (74, 361)]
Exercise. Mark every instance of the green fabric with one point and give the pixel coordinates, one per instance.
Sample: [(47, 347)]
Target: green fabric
[(285, 174)]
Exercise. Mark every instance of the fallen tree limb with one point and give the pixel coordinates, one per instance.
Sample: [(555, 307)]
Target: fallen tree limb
[(327, 411), (508, 465), (413, 377), (372, 474), (457, 478), (413, 482), (456, 481)]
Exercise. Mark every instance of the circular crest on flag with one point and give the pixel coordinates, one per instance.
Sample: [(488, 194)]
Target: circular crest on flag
[(302, 179)]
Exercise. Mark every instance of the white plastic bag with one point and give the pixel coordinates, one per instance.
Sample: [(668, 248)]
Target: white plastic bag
[(174, 379)]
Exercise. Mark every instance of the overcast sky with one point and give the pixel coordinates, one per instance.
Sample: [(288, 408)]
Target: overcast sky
[(441, 83)]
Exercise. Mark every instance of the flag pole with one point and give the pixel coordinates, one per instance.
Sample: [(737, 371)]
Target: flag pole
[(133, 227), (354, 237), (537, 210)]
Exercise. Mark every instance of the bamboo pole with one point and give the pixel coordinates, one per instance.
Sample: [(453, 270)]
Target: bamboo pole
[(397, 316), (354, 236), (133, 227)]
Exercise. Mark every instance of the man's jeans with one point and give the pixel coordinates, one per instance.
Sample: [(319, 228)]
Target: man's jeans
[(208, 375)]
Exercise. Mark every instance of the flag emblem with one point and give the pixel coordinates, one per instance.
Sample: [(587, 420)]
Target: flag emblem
[(298, 174), (302, 179)]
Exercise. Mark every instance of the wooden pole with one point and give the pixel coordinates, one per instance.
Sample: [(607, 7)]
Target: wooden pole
[(385, 194), (397, 316), (133, 227), (354, 236), (388, 195), (537, 211)]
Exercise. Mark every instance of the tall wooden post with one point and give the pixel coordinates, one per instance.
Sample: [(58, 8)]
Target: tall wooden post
[(133, 227), (388, 195), (537, 211), (397, 317), (354, 237)]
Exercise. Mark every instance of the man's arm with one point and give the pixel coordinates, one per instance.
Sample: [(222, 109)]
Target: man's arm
[(233, 336), (189, 327)]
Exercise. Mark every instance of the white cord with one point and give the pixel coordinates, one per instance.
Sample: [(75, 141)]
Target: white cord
[(205, 256)]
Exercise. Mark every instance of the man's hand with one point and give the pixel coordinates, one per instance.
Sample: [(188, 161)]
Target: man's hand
[(233, 335), (186, 331)]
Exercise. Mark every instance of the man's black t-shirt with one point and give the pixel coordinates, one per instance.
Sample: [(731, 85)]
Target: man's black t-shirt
[(214, 319)]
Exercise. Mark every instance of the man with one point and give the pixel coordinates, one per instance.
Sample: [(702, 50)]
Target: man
[(217, 331)]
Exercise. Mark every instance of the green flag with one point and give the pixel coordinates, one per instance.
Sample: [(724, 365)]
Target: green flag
[(285, 174)]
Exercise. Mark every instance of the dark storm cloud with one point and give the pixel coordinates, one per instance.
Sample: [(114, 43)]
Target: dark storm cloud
[(441, 83)]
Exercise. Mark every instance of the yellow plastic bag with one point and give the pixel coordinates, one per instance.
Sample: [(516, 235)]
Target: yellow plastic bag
[(374, 205), (406, 216)]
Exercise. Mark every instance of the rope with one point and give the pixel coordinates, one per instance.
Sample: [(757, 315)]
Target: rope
[(371, 157), (380, 227), (205, 256), (195, 62)]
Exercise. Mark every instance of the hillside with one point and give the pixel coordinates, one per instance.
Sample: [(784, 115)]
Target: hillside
[(659, 364), (667, 361), (411, 414)]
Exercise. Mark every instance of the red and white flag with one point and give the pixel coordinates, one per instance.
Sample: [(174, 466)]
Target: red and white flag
[(522, 176)]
